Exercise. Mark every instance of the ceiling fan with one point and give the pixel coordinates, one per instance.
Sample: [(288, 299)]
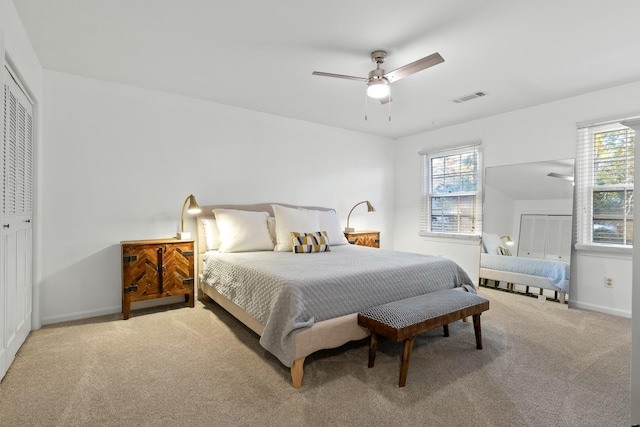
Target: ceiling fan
[(378, 81), (560, 175)]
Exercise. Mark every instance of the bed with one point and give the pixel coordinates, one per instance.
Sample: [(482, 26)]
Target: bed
[(299, 302), (498, 265)]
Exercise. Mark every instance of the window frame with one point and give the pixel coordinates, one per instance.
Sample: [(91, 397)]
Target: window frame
[(427, 194), (586, 187)]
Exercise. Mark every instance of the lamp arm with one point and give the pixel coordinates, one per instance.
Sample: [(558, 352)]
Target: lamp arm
[(357, 204), (183, 208)]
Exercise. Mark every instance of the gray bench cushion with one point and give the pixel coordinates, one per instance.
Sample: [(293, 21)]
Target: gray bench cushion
[(407, 312)]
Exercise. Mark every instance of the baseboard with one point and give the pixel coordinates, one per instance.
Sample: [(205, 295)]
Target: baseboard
[(599, 308), (111, 310), (80, 315)]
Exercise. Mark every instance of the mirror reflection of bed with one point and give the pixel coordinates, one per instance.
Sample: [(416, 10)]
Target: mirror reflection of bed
[(527, 228)]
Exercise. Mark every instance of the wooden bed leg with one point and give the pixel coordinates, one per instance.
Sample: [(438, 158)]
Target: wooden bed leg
[(297, 371), (204, 297)]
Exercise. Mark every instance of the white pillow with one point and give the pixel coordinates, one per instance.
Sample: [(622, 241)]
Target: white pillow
[(330, 223), (293, 219), (243, 231), (211, 234), (491, 242), (271, 223)]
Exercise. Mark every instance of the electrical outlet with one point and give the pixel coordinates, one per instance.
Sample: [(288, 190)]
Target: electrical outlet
[(608, 282)]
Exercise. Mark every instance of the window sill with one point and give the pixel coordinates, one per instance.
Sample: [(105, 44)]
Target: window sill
[(466, 239), (607, 249)]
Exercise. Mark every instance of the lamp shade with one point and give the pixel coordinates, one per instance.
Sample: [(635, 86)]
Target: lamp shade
[(507, 240), (193, 207), (378, 88), (370, 208), (190, 206)]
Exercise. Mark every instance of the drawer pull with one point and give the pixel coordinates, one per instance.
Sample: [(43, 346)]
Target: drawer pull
[(132, 288), (6, 225)]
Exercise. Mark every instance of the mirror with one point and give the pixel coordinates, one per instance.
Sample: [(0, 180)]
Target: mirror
[(530, 205)]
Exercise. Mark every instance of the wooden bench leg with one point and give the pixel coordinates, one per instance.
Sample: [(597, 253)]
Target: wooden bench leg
[(373, 347), (446, 330), (406, 355), (478, 331)]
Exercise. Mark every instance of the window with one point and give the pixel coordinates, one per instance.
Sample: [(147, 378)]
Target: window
[(604, 184), (452, 192)]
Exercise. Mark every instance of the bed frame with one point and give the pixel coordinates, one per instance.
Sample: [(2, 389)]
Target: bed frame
[(326, 334), (522, 279)]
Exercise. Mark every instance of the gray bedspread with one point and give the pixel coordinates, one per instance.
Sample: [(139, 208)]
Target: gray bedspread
[(288, 292)]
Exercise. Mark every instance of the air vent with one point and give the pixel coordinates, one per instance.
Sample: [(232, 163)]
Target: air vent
[(469, 97)]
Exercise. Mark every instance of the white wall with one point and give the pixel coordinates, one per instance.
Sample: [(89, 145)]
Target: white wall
[(19, 49), (119, 162), (544, 132), (497, 212)]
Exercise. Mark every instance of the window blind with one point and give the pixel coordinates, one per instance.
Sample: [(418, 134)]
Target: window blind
[(451, 197), (604, 184)]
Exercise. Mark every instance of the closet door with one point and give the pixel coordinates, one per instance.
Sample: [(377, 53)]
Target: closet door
[(16, 219), (558, 238), (531, 243)]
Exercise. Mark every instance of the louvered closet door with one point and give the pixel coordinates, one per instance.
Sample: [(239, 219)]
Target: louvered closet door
[(16, 219), (532, 236), (558, 238)]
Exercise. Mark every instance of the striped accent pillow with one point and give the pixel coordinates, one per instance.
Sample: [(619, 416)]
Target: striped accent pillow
[(503, 251), (310, 242)]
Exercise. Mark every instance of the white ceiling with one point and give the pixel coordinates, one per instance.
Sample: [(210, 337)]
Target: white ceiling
[(259, 55)]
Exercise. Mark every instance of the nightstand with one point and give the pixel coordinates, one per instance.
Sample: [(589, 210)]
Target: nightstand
[(156, 269), (364, 238)]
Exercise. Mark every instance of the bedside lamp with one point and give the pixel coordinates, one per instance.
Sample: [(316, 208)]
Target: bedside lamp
[(507, 240), (369, 209), (192, 207)]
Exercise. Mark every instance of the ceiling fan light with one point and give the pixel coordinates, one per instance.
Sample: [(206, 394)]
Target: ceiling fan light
[(378, 88)]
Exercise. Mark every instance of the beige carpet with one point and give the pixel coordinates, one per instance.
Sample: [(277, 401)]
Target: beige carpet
[(542, 365)]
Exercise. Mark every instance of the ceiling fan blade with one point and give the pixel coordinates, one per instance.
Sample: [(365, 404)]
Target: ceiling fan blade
[(387, 99), (414, 67), (340, 76), (560, 175)]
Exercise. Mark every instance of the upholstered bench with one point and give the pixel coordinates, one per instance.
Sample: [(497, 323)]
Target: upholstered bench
[(403, 320)]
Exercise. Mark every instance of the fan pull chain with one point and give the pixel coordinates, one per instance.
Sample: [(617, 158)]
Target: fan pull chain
[(389, 103), (366, 105)]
